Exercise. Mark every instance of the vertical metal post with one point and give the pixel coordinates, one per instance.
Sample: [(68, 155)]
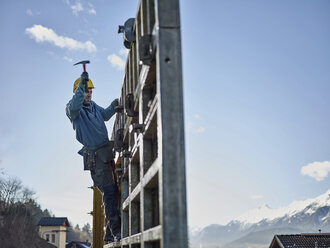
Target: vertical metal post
[(169, 82)]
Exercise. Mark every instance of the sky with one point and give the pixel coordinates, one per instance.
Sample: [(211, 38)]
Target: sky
[(256, 78)]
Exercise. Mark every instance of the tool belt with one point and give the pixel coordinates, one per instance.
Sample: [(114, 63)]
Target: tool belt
[(104, 153)]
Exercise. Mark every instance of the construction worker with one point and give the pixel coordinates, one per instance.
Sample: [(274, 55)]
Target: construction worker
[(88, 120)]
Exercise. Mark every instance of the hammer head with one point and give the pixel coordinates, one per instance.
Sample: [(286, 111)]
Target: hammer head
[(84, 62)]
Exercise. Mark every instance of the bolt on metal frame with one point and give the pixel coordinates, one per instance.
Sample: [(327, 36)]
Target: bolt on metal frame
[(151, 162)]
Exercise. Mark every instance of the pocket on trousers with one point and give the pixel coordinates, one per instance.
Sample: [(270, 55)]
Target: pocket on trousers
[(106, 154), (89, 159)]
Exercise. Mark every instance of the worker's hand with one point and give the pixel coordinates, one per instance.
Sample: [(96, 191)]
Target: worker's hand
[(115, 102), (84, 77)]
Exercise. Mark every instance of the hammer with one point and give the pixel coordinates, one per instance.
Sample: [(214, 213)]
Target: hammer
[(84, 62)]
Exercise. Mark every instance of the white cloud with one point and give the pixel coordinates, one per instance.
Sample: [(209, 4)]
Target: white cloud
[(68, 59), (196, 125), (123, 51), (90, 32), (29, 12), (116, 61), (191, 127), (42, 34), (200, 130), (91, 9), (51, 53), (256, 197), (317, 170), (76, 8)]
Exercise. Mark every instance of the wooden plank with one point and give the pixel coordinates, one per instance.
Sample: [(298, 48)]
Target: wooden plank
[(98, 218)]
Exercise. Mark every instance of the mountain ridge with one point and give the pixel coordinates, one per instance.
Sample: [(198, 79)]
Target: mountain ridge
[(254, 215), (303, 216)]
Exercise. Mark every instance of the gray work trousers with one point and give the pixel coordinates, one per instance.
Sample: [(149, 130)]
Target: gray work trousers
[(103, 178)]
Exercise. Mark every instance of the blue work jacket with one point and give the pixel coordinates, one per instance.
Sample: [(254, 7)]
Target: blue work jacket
[(88, 120)]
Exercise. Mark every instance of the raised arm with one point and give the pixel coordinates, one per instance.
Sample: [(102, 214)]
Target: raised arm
[(74, 105)]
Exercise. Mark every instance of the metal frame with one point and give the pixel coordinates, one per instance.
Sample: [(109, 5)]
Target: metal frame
[(151, 162)]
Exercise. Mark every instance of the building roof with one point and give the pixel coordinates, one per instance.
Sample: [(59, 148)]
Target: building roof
[(53, 221), (309, 240)]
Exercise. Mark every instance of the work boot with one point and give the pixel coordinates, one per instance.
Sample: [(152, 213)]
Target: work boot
[(108, 237), (109, 240), (118, 237)]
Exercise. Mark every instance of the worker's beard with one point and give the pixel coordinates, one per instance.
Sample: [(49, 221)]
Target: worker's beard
[(87, 100)]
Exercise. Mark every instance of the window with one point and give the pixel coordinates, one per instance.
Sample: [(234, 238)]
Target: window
[(47, 237), (53, 238)]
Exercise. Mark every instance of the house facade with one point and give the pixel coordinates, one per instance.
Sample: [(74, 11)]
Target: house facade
[(53, 230)]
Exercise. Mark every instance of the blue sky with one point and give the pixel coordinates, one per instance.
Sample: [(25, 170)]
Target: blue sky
[(256, 85)]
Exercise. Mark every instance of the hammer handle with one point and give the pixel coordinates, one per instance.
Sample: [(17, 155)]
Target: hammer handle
[(86, 84)]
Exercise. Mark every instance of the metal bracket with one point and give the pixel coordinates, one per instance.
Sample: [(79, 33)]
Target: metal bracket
[(135, 127), (119, 140), (127, 30), (119, 109), (126, 154), (146, 50), (129, 105)]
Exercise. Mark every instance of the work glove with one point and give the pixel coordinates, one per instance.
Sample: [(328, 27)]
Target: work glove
[(115, 102), (118, 109), (84, 77), (84, 80)]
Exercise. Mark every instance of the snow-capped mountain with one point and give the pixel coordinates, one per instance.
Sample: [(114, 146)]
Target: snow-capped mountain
[(300, 216), (266, 213)]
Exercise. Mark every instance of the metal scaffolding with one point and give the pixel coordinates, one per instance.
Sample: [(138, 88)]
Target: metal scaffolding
[(149, 132)]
